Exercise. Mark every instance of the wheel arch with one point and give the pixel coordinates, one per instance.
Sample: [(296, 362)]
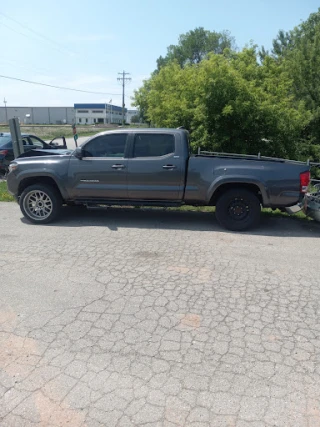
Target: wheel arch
[(254, 188), (43, 180)]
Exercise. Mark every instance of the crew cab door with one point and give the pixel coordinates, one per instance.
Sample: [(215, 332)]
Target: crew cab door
[(155, 168), (102, 171)]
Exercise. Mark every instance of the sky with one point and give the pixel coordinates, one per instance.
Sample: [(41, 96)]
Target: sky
[(85, 45)]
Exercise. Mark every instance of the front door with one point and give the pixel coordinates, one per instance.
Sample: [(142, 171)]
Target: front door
[(155, 170), (102, 172)]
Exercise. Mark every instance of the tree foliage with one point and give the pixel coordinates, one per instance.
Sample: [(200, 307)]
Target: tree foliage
[(299, 51), (246, 101), (228, 103), (195, 45), (135, 118)]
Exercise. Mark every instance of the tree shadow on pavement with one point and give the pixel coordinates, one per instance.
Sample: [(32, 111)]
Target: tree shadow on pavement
[(115, 218)]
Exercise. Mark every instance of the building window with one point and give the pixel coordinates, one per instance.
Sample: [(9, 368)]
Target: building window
[(97, 111), (86, 120), (83, 111), (79, 120)]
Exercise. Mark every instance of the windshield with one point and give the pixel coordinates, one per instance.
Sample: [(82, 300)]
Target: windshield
[(4, 140)]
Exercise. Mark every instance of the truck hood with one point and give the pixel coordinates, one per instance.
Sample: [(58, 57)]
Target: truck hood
[(48, 153)]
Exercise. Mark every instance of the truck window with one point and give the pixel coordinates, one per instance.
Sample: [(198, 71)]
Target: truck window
[(153, 145), (106, 146)]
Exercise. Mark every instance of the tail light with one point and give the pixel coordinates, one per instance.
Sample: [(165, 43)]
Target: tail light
[(3, 152), (304, 181)]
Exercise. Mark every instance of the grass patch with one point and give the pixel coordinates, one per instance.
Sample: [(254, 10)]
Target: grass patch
[(53, 131), (4, 195), (265, 212), (279, 214), (187, 208)]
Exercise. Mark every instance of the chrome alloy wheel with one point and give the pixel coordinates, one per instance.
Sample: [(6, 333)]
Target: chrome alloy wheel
[(38, 205)]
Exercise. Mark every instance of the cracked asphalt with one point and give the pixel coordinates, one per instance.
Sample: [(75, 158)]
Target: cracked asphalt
[(158, 319)]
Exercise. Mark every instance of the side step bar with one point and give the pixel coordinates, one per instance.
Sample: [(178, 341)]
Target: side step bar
[(104, 204)]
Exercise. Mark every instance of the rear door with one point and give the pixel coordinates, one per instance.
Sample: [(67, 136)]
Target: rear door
[(36, 142), (155, 170), (102, 172)]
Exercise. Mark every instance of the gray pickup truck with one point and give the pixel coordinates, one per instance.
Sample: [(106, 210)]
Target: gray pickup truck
[(154, 167)]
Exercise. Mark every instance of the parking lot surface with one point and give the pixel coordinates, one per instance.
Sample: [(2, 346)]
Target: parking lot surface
[(158, 318)]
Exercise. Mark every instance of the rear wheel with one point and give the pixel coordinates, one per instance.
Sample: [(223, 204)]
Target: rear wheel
[(238, 209), (40, 204)]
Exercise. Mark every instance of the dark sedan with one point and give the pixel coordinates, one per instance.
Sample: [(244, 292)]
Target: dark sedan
[(30, 142)]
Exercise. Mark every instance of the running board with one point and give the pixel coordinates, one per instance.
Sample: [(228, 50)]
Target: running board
[(105, 204)]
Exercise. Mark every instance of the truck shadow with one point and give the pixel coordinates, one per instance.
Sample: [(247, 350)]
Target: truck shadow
[(115, 218)]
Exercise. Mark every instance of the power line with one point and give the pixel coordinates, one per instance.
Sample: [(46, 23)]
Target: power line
[(59, 87), (34, 32), (17, 64), (29, 37), (59, 46), (33, 38)]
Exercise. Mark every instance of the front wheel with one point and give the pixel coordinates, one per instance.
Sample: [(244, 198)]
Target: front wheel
[(40, 204), (238, 210)]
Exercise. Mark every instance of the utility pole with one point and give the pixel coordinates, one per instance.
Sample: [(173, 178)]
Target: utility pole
[(5, 106), (124, 79)]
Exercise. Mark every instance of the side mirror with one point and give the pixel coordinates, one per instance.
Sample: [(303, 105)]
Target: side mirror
[(78, 153)]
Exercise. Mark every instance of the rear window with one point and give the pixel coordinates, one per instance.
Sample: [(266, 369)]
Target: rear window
[(153, 145), (4, 140)]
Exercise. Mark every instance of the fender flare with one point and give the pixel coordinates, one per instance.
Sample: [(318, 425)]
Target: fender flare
[(238, 181)]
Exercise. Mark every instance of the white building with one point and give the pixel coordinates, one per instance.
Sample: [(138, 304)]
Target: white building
[(130, 114), (79, 114), (38, 115), (98, 113)]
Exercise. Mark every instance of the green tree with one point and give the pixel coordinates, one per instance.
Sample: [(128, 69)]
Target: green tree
[(195, 45), (282, 43), (229, 103), (299, 51), (135, 118), (141, 100)]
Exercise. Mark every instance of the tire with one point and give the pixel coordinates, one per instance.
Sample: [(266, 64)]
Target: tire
[(40, 203), (238, 210)]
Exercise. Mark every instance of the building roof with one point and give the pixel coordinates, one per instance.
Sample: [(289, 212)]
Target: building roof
[(98, 106)]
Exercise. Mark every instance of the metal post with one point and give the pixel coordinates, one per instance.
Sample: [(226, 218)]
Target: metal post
[(123, 103), (49, 115), (17, 144), (5, 107), (124, 79)]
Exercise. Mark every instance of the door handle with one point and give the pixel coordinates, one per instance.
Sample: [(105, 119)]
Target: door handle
[(118, 166), (169, 167)]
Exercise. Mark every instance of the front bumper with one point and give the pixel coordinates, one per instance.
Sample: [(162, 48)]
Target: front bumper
[(312, 205), (12, 184)]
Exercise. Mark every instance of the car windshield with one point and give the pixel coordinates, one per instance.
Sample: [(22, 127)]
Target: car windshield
[(4, 140)]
